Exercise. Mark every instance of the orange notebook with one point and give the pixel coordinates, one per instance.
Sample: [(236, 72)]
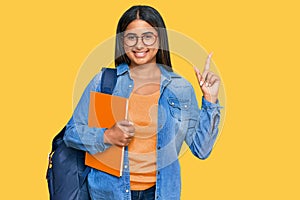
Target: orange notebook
[(104, 111)]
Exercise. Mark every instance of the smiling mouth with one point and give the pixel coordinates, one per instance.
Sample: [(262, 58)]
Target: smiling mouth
[(140, 54)]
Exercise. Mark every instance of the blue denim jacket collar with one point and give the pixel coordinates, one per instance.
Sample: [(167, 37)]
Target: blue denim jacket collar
[(122, 68), (166, 76)]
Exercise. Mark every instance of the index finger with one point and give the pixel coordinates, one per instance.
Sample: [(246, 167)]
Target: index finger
[(207, 63)]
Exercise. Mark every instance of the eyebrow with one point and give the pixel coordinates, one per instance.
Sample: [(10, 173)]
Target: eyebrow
[(145, 33)]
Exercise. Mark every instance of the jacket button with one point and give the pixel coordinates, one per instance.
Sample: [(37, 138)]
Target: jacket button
[(127, 190), (158, 147)]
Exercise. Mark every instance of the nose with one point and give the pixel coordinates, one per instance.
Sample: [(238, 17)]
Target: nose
[(139, 44)]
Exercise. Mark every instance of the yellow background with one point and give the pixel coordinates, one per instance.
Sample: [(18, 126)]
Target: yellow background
[(255, 45)]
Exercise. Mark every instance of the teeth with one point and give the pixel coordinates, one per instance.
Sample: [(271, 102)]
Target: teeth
[(140, 54)]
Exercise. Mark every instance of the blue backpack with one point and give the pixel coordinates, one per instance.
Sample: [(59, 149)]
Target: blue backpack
[(67, 173)]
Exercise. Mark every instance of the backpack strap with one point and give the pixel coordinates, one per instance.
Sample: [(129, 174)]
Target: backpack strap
[(108, 80)]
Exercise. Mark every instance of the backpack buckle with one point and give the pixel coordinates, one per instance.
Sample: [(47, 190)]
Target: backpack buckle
[(50, 160)]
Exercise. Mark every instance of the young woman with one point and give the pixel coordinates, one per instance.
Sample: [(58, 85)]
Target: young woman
[(163, 113)]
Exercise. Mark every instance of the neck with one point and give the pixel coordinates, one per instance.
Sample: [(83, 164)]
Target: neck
[(146, 70)]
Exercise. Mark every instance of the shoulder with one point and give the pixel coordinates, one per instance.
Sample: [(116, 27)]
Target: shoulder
[(95, 82), (175, 79), (179, 81), (178, 86), (97, 77)]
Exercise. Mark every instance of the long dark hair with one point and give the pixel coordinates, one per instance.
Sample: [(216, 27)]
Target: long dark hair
[(151, 16)]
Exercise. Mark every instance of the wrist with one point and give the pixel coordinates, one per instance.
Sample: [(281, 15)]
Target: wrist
[(211, 98), (105, 136)]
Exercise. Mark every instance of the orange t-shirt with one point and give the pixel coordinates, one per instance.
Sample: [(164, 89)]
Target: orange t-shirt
[(142, 111)]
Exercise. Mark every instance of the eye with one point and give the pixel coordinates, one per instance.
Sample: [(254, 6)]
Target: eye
[(148, 37), (131, 37)]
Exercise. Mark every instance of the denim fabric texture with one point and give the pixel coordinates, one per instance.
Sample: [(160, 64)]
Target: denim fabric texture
[(148, 194), (179, 120)]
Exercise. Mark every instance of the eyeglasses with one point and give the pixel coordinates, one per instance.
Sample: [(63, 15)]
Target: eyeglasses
[(131, 39)]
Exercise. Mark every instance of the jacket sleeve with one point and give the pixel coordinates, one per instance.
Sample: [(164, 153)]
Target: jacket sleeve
[(78, 134), (203, 127)]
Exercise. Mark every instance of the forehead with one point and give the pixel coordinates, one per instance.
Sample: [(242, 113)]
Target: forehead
[(139, 27)]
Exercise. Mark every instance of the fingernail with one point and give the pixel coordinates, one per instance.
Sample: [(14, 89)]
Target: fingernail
[(196, 69), (206, 84), (131, 123), (201, 83)]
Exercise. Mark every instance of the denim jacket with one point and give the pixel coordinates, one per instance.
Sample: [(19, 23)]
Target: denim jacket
[(179, 120)]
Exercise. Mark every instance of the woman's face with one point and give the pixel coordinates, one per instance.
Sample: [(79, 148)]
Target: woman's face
[(140, 42)]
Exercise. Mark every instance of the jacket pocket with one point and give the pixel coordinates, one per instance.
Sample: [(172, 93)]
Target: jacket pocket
[(179, 108)]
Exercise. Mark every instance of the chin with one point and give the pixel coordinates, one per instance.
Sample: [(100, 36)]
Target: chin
[(140, 62)]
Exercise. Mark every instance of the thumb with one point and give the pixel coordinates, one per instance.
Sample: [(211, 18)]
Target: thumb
[(125, 123)]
